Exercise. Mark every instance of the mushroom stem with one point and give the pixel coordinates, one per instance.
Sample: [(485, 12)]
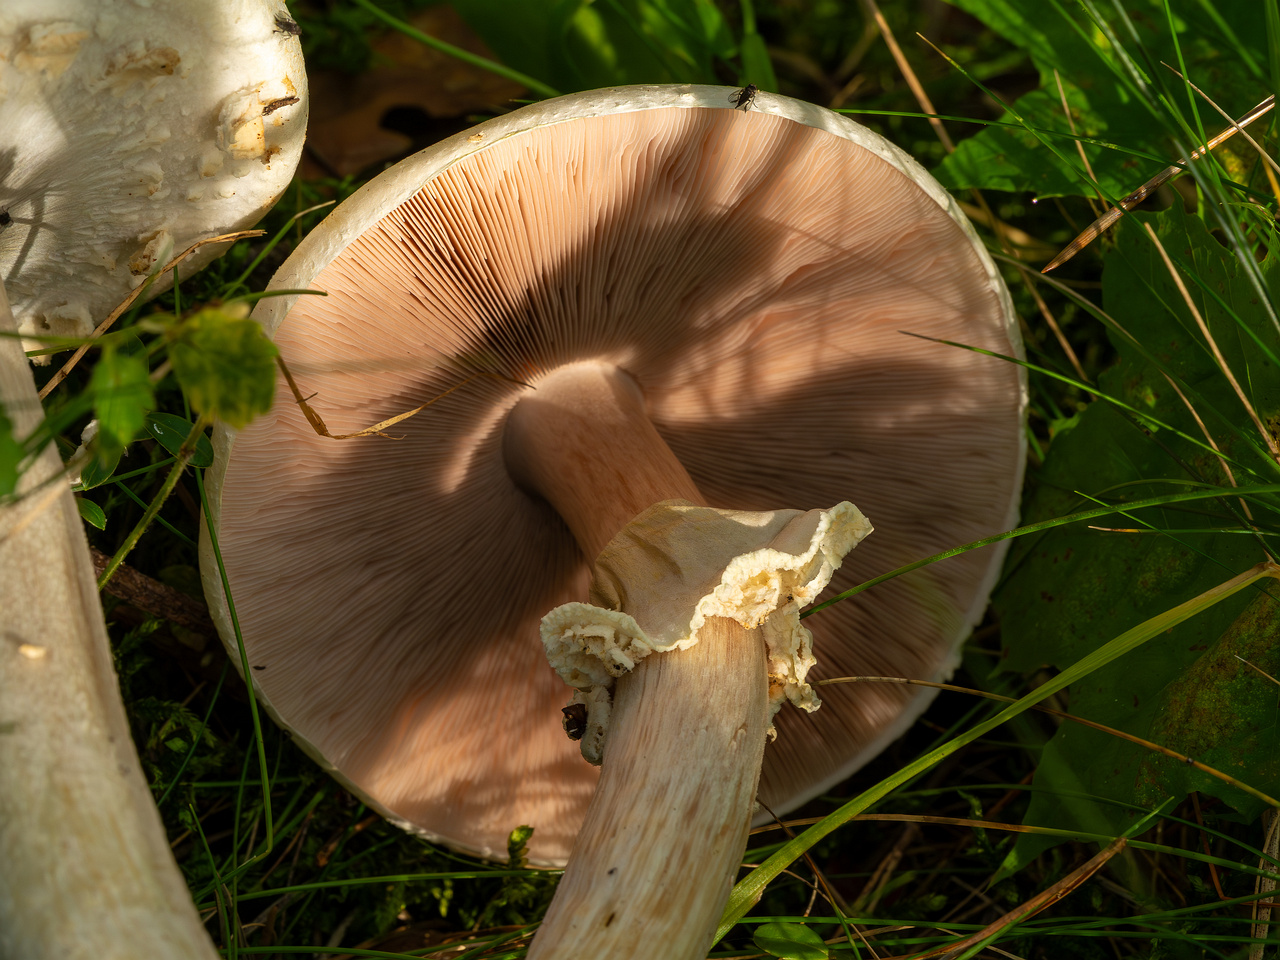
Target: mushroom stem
[(85, 867), (655, 859), (663, 837), (583, 442)]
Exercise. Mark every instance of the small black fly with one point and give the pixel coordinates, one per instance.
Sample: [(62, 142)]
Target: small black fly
[(575, 720), (745, 97), (5, 219), (288, 27)]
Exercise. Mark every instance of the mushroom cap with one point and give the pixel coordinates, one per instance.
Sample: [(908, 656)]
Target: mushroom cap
[(753, 271), (132, 128)]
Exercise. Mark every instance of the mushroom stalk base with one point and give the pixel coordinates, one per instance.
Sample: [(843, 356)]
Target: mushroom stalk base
[(655, 860), (85, 867)]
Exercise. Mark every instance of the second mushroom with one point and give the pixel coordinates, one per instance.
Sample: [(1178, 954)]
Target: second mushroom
[(667, 339)]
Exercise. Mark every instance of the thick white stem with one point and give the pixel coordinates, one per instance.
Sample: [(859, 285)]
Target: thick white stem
[(657, 854), (655, 859), (85, 868)]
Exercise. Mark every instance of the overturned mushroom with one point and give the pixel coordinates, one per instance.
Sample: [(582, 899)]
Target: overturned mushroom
[(682, 305), (128, 129)]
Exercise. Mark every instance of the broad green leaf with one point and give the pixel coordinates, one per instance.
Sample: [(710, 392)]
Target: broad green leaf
[(791, 941), (756, 65), (171, 430), (1016, 160), (714, 30), (1222, 712), (517, 32), (225, 364), (1071, 589), (100, 467), (10, 455), (1105, 101), (122, 395), (91, 513)]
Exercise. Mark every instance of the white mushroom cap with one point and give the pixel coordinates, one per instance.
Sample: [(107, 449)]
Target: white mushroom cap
[(751, 272), (128, 129)]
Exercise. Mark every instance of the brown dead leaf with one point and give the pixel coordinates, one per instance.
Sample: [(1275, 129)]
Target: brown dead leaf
[(348, 128)]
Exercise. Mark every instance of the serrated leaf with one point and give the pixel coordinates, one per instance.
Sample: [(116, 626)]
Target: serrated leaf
[(170, 431), (1073, 589), (791, 941), (91, 513), (10, 455), (122, 395), (225, 364)]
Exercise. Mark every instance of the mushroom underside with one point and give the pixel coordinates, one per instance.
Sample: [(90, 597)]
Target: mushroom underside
[(771, 361)]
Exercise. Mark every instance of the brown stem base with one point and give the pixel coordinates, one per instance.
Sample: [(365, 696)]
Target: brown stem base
[(655, 860)]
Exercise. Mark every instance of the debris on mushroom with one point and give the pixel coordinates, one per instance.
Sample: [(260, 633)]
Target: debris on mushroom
[(132, 128), (587, 253)]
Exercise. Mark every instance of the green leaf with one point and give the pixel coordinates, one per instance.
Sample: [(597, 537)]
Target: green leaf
[(122, 395), (91, 513), (517, 32), (171, 430), (10, 455), (225, 364), (756, 64), (1104, 102), (100, 467), (791, 941), (517, 846), (578, 44), (1071, 589), (1014, 159), (1222, 712)]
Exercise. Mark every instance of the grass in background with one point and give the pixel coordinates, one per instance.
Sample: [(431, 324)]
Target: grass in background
[(333, 875)]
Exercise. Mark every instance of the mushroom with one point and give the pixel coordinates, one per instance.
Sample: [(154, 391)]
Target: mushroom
[(85, 866), (629, 304), (130, 129), (125, 128)]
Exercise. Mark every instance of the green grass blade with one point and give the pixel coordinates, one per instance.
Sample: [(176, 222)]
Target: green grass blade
[(245, 669), (466, 56), (749, 890)]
